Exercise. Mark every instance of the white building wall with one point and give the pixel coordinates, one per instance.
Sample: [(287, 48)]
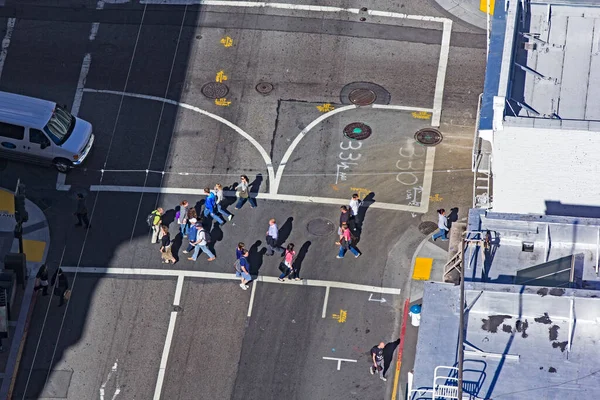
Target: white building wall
[(532, 166)]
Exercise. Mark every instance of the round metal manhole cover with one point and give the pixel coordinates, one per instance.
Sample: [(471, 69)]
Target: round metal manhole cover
[(264, 88), (427, 227), (362, 97), (357, 131), (215, 90), (320, 227), (429, 137)]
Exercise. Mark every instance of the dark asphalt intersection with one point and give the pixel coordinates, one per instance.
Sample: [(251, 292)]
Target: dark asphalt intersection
[(187, 331)]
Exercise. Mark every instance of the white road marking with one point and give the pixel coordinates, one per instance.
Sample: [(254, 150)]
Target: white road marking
[(113, 370), (94, 30), (227, 276), (441, 74), (401, 108), (178, 290), (165, 356), (85, 68), (10, 26), (222, 120), (380, 300), (324, 313), (60, 182), (252, 294), (427, 180), (294, 7), (339, 361), (422, 208)]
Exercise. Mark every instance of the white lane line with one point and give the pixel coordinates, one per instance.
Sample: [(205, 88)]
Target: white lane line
[(228, 276), (254, 282), (10, 26), (165, 356), (427, 180), (94, 31), (400, 108), (441, 74), (339, 361), (294, 7), (222, 120), (178, 290), (60, 182), (85, 68), (269, 196), (324, 313)]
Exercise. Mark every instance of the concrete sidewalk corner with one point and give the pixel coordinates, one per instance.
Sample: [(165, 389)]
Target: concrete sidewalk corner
[(36, 242), (469, 11)]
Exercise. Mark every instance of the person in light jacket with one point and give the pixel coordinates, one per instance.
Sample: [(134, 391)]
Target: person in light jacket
[(442, 225), (60, 286)]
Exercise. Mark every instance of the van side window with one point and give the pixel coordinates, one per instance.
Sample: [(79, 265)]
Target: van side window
[(12, 131), (38, 137)]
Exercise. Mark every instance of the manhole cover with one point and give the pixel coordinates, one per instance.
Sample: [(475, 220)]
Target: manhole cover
[(362, 97), (264, 88), (428, 137), (320, 227), (357, 131), (364, 93), (427, 227), (215, 90)]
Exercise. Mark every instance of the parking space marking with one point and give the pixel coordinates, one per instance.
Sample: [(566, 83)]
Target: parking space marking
[(227, 276), (10, 26), (165, 356), (441, 74), (324, 313), (178, 290), (339, 361), (85, 68), (252, 294)]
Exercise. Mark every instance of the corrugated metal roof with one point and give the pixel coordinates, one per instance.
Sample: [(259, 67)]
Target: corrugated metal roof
[(23, 110)]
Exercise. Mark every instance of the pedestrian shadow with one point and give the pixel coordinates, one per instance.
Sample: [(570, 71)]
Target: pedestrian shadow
[(255, 257), (176, 244), (229, 200), (168, 217), (285, 230), (362, 213), (452, 217), (300, 257), (388, 354), (254, 186), (216, 235), (198, 208)]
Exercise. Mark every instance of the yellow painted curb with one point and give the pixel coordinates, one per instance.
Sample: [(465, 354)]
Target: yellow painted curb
[(422, 270), (34, 250), (7, 202), (483, 6)]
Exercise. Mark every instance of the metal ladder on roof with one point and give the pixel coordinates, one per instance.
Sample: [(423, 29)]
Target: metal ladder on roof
[(445, 384)]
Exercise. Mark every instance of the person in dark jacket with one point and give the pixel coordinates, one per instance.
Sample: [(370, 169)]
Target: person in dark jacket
[(42, 280), (81, 212), (61, 286)]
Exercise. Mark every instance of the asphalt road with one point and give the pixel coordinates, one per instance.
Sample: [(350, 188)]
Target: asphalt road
[(221, 342)]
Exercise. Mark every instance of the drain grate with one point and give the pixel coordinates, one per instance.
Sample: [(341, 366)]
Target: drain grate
[(264, 88), (215, 90), (362, 97), (357, 131), (429, 137), (320, 227)]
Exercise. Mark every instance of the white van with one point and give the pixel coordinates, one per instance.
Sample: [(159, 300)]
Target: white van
[(40, 131)]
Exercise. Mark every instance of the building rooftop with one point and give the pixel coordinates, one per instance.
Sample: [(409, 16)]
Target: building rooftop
[(520, 342)]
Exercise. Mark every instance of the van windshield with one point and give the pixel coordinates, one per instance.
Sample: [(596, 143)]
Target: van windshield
[(60, 126)]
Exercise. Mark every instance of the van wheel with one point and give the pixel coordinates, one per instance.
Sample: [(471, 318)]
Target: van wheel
[(62, 165)]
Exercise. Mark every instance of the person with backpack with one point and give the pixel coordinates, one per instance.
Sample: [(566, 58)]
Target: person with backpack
[(201, 243), (192, 234), (346, 243), (154, 220), (210, 206), (242, 269), (286, 266), (242, 192)]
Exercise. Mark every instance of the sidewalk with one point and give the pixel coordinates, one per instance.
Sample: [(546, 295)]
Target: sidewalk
[(36, 241), (467, 10)]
